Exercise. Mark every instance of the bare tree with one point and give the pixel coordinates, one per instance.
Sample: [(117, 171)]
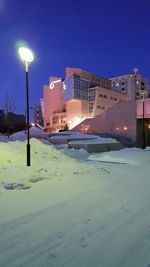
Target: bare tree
[(8, 106)]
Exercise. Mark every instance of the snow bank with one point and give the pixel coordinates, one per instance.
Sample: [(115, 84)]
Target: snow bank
[(74, 213), (22, 135), (131, 156)]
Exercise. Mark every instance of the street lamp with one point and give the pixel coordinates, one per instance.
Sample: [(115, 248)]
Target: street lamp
[(133, 97), (27, 57), (135, 71), (144, 94)]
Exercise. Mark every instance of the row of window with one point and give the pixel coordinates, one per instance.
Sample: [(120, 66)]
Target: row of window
[(113, 98), (103, 96), (59, 120), (100, 107), (96, 79), (101, 80), (116, 84)]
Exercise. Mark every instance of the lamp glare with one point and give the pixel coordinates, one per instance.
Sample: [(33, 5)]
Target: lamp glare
[(26, 54)]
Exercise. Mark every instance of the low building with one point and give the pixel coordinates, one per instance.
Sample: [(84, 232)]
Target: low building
[(12, 122)]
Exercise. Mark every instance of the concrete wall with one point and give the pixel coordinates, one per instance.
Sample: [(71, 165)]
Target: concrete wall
[(120, 120), (105, 99)]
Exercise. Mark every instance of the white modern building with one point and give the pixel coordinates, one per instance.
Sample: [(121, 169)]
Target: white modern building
[(131, 85)]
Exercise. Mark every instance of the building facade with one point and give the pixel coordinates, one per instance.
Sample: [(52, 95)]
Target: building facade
[(101, 99), (79, 96), (78, 81), (53, 101), (38, 116), (131, 85)]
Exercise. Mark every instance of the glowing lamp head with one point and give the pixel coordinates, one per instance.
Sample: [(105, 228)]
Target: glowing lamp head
[(135, 71), (26, 54)]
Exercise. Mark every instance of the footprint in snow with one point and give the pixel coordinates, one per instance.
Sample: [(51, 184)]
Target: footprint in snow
[(83, 242), (53, 256), (12, 186), (87, 221), (36, 179), (77, 173), (60, 236), (105, 170)]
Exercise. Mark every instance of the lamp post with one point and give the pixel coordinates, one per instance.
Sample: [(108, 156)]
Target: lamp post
[(134, 75), (135, 71), (144, 94), (27, 57)]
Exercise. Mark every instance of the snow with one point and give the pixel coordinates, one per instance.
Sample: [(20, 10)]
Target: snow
[(74, 209), (21, 136), (131, 156), (99, 140), (77, 135), (81, 138)]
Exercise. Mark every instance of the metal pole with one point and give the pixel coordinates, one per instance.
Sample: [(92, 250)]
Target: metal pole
[(135, 95), (143, 128), (135, 87), (25, 121), (27, 113), (135, 70)]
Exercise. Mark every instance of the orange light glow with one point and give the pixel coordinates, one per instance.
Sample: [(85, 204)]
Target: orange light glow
[(125, 128)]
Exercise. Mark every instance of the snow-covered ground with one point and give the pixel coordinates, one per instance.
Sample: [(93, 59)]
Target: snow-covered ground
[(82, 138), (74, 209)]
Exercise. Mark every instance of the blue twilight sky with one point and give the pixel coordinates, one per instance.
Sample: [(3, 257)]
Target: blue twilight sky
[(106, 37)]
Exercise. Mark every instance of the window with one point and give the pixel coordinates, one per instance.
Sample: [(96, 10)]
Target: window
[(100, 95), (113, 98), (103, 96), (100, 107)]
